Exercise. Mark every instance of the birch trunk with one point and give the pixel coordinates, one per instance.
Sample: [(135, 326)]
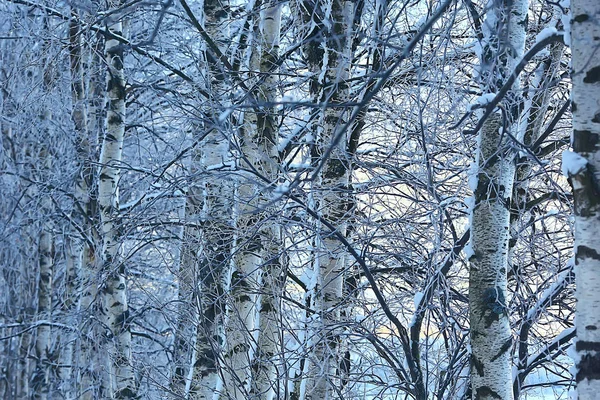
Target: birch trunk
[(188, 278), (256, 261), (115, 313), (538, 108), (88, 359), (41, 373), (75, 244), (332, 202), (491, 338), (40, 380), (218, 232), (583, 168)]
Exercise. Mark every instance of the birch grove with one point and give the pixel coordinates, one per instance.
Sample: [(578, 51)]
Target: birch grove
[(313, 199)]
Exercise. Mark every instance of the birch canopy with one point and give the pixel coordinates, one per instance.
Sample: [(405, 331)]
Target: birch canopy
[(299, 200)]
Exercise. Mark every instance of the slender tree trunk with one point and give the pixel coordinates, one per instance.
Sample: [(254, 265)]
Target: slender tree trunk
[(256, 261), (583, 168), (491, 338), (40, 382), (23, 372), (88, 358), (538, 108), (76, 245), (41, 373), (115, 312), (218, 232), (188, 287), (332, 202)]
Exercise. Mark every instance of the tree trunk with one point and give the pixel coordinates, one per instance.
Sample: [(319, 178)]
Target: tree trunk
[(218, 232), (76, 245), (88, 358), (115, 312), (537, 109), (257, 267), (583, 169), (331, 199), (188, 287), (41, 373), (491, 338)]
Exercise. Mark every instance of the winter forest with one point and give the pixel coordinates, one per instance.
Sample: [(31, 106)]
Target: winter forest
[(300, 199)]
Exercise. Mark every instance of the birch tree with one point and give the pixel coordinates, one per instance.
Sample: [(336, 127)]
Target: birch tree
[(256, 280), (114, 309), (217, 234), (331, 193), (491, 338), (262, 250), (40, 381), (582, 166)]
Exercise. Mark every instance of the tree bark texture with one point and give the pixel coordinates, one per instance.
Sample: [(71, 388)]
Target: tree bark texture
[(331, 200), (256, 279), (114, 309), (585, 181), (491, 338), (218, 232)]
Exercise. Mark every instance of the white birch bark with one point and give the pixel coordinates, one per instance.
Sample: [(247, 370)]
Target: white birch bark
[(88, 359), (256, 256), (41, 373), (76, 245), (218, 232), (44, 312), (491, 339), (583, 168), (332, 202), (114, 308)]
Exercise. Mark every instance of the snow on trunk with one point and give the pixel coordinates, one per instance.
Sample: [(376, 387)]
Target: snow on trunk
[(332, 200), (218, 228), (76, 245), (585, 180), (257, 259), (113, 292), (536, 111), (491, 339)]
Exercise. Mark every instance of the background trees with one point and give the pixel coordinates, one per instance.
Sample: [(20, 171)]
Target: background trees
[(288, 214)]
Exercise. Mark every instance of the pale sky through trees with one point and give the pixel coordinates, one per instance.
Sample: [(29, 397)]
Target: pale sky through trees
[(299, 200)]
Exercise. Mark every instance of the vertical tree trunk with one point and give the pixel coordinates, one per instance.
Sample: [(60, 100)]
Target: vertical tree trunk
[(115, 312), (41, 373), (538, 108), (491, 338), (76, 245), (583, 169), (88, 358), (218, 232), (256, 261), (41, 376), (188, 287), (332, 201)]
